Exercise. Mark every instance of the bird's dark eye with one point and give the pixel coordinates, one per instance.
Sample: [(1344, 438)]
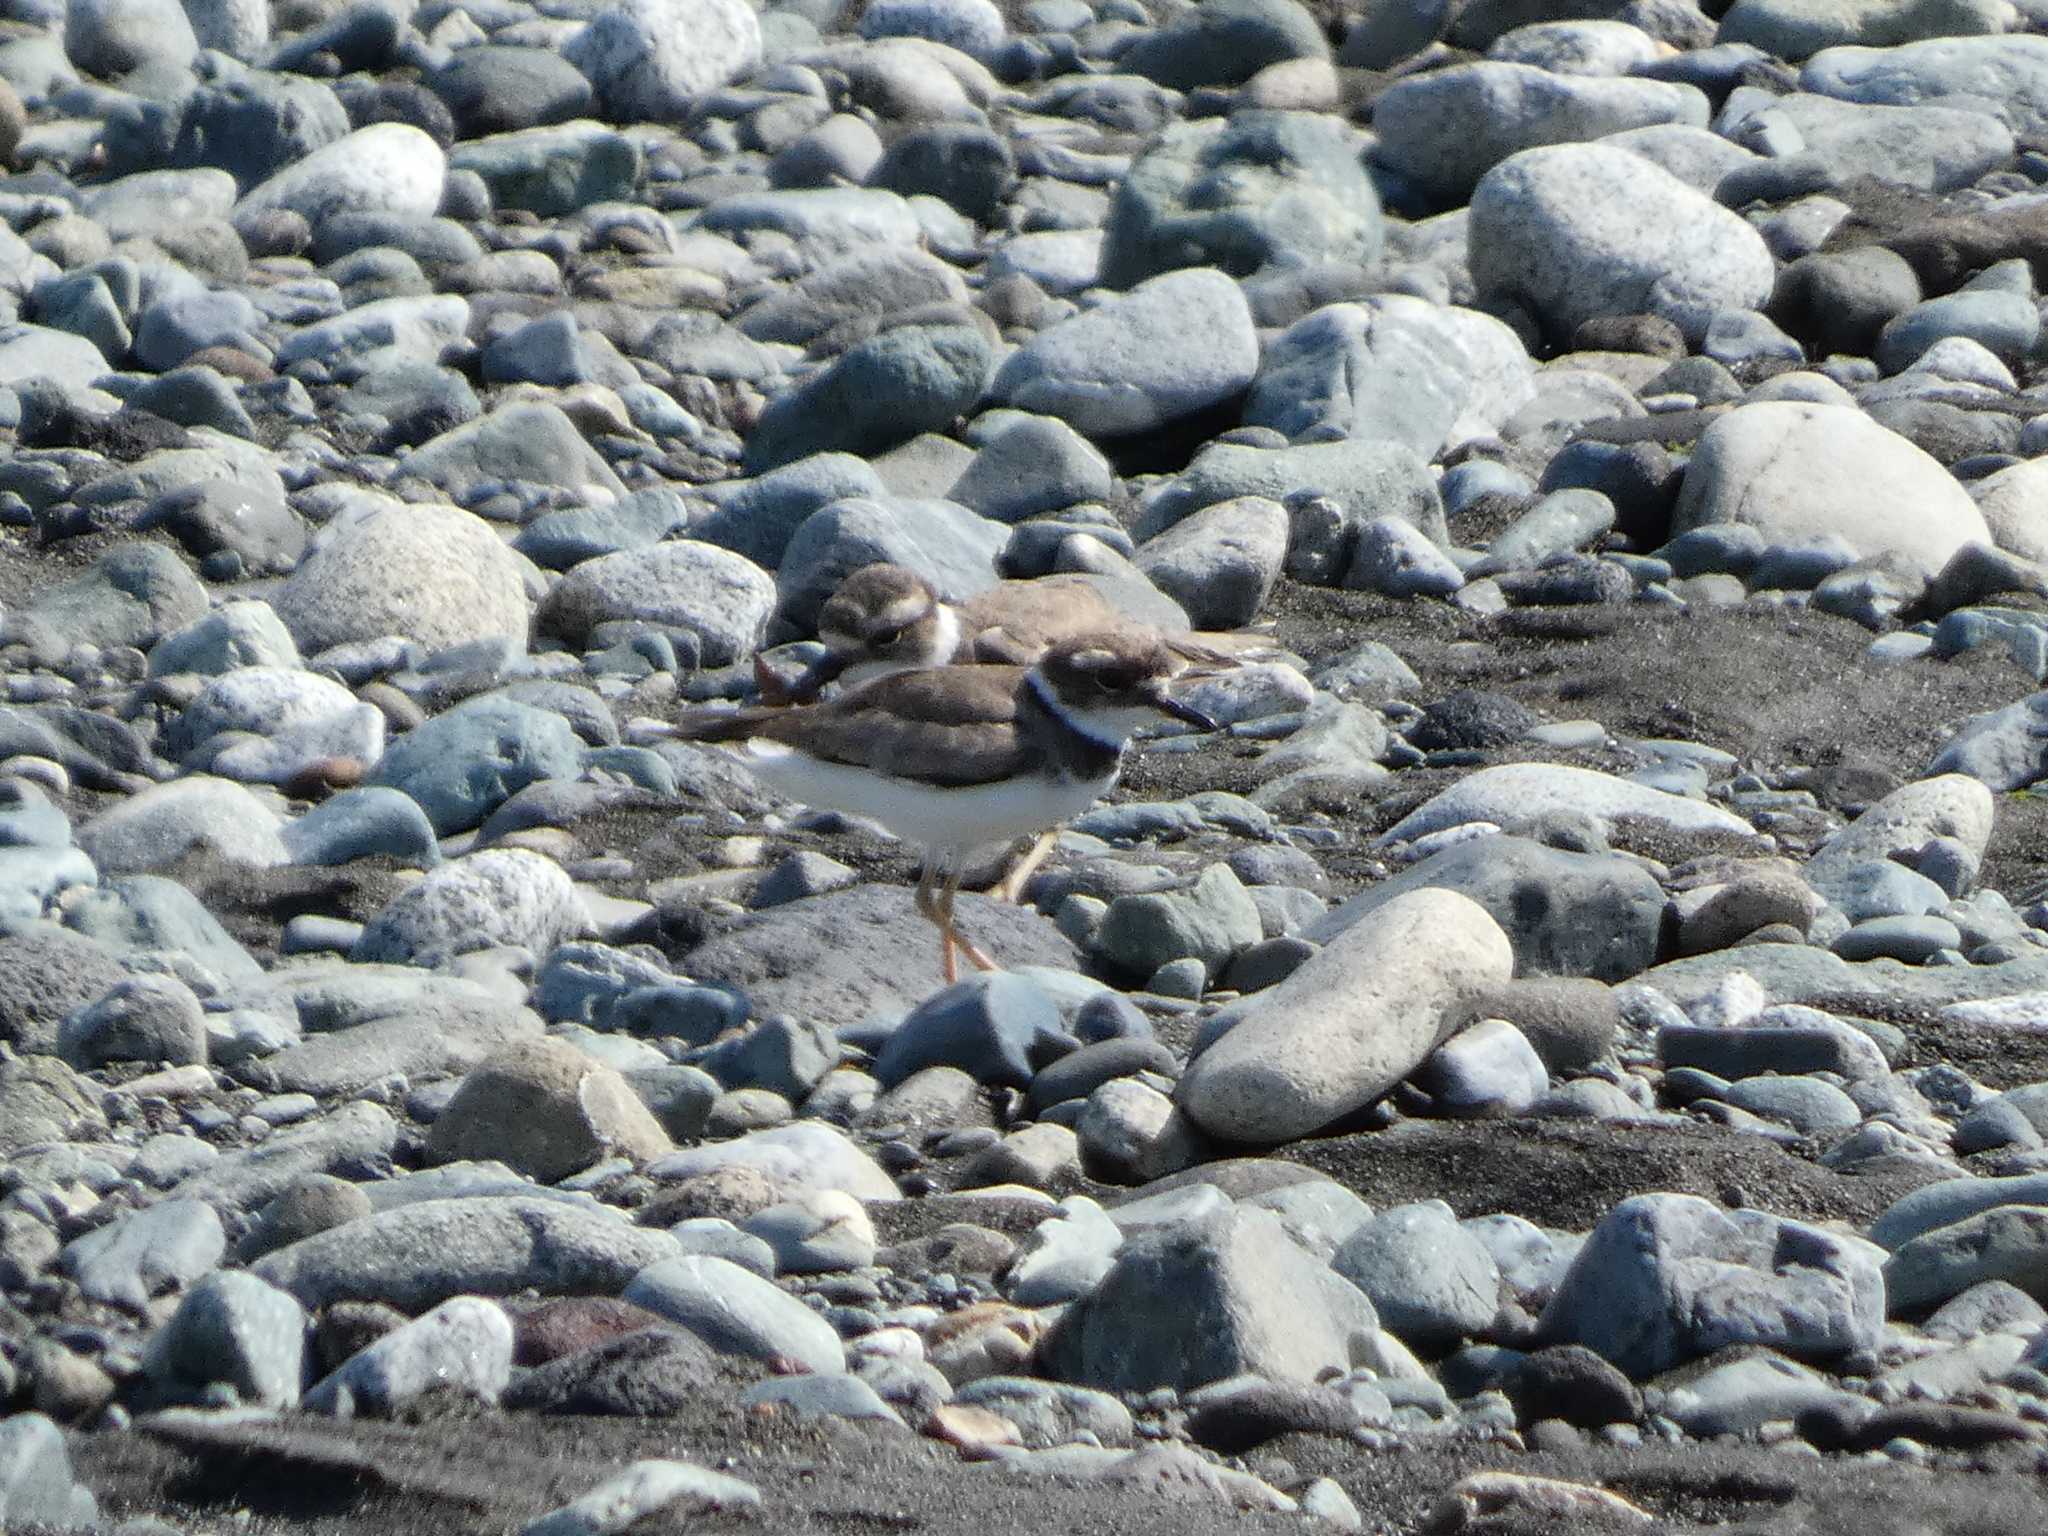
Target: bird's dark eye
[(887, 636), (1112, 682)]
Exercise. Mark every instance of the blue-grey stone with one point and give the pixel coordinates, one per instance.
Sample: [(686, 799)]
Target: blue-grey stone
[(1666, 1278), (147, 914), (885, 390), (1431, 1282), (583, 982), (949, 546), (418, 1255), (997, 1027), (364, 822), (133, 1259), (780, 1054), (560, 540), (231, 1329), (1567, 914), (680, 1010), (758, 517), (460, 766)]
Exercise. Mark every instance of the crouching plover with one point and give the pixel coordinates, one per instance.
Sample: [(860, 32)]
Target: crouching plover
[(961, 759)]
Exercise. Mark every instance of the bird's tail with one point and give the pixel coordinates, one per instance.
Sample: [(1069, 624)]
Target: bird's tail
[(1225, 648), (721, 724)]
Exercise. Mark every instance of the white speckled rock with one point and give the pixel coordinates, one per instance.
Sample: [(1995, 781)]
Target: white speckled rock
[(1515, 792), (1952, 805), (385, 168), (165, 822), (1571, 231), (807, 1155), (1801, 473), (722, 598), (1351, 1022), (434, 573), (648, 59), (1168, 348), (499, 896)]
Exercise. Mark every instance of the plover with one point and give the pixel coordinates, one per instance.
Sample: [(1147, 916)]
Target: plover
[(960, 759), (886, 618)]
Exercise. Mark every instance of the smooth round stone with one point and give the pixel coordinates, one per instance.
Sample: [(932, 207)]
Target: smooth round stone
[(823, 1230), (1913, 939), (1354, 1020), (501, 896), (737, 1312), (1488, 1069), (1430, 1280)]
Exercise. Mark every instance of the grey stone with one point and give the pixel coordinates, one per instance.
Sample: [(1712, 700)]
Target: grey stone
[(1391, 368), (36, 1483), (722, 599), (1365, 479), (1212, 922), (1666, 1278), (737, 1312), (2005, 1243), (1571, 231), (547, 1110), (2010, 73), (495, 89), (461, 1348), (463, 765), (1349, 1023), (156, 1251), (1172, 346), (1445, 129), (1256, 190), (946, 544), (416, 1256), (1220, 563), (532, 440), (1036, 465), (909, 379), (48, 974), (1431, 1282), (135, 594), (153, 1019), (384, 167), (363, 823), (819, 1232), (1545, 900), (1226, 43), (1190, 1304), (230, 1329), (1488, 1069), (112, 37)]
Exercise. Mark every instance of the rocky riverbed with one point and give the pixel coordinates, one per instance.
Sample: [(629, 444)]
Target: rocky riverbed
[(1569, 1051)]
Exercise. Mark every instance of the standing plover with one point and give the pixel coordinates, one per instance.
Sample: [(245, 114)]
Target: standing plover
[(961, 759)]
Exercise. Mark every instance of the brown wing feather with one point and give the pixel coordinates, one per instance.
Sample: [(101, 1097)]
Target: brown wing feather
[(1015, 622), (944, 725)]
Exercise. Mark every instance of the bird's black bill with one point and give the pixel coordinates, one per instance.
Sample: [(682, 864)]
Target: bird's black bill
[(819, 675), (1193, 716)]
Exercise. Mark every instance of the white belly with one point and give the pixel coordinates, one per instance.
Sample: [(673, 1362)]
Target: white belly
[(951, 820)]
